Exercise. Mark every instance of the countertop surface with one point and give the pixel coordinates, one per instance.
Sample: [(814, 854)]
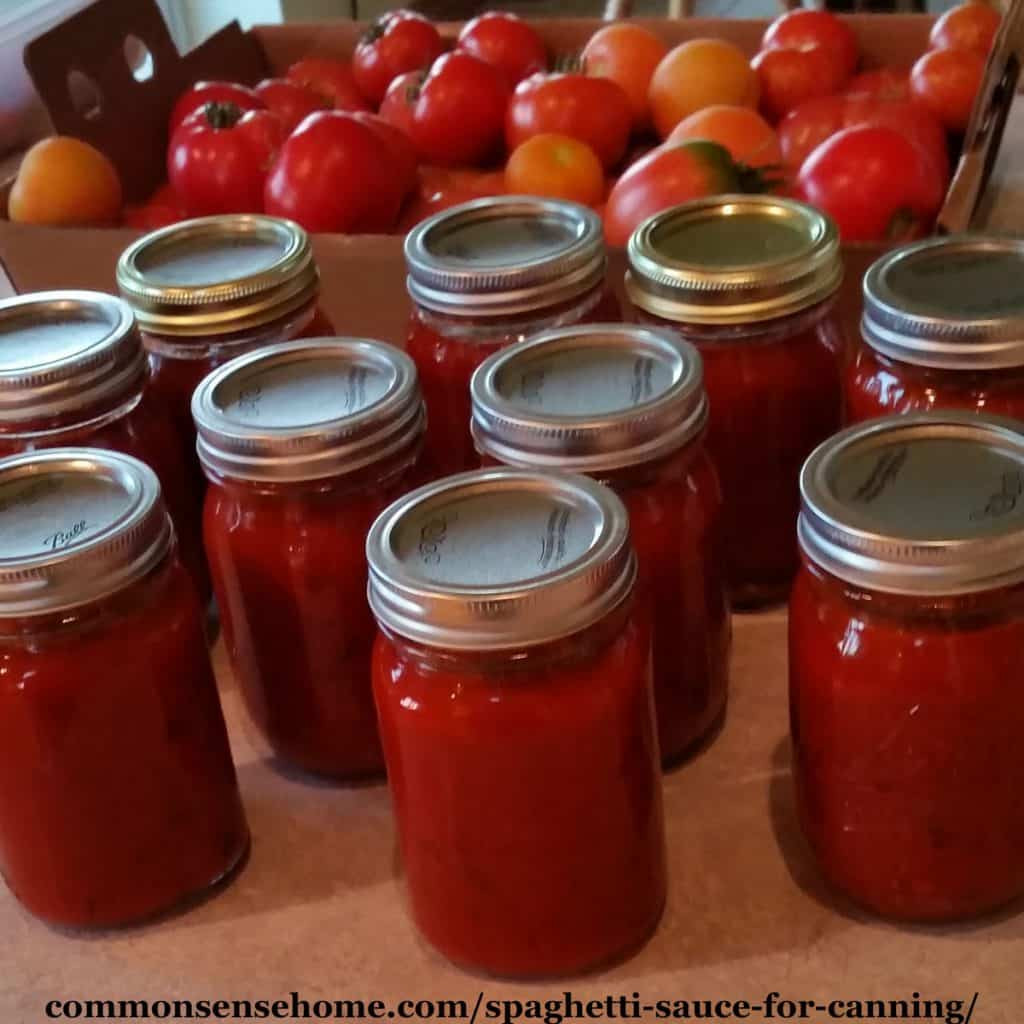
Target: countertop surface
[(319, 909)]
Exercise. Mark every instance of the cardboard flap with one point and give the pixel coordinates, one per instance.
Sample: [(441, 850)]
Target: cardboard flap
[(111, 73)]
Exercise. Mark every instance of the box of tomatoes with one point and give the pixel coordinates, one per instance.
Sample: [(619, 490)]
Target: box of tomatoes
[(357, 132)]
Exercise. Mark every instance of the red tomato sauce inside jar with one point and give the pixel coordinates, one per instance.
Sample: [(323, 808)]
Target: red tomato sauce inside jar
[(73, 372), (943, 328), (118, 797), (512, 680), (752, 283), (907, 664), (207, 290), (304, 444), (626, 405), (487, 274)]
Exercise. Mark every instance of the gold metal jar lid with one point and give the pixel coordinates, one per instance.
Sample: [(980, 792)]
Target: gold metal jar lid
[(504, 255), (218, 275), (733, 260), (589, 398), (308, 410), (66, 350), (499, 559), (926, 503), (76, 525)]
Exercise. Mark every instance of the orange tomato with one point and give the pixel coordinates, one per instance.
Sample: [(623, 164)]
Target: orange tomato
[(628, 54), (750, 139), (970, 26), (64, 181), (947, 82), (698, 74), (558, 167)]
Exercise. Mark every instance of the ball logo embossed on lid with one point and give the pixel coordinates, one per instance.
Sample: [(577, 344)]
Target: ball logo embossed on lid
[(504, 255), (308, 410), (733, 260), (498, 559), (929, 503), (76, 524), (589, 398), (950, 303)]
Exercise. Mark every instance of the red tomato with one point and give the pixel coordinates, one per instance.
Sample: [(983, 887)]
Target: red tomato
[(162, 208), (667, 176), (594, 110), (507, 43), (329, 78), (807, 126), (459, 111), (212, 92), (881, 84), (806, 29), (628, 54), (877, 185), (397, 42), (791, 77), (970, 26), (334, 174), (400, 100), (403, 153), (292, 102), (442, 187), (947, 82), (909, 118), (219, 156)]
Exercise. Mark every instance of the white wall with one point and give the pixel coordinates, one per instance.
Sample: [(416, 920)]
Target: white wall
[(201, 18)]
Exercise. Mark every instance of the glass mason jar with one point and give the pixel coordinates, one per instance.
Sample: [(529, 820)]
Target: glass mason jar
[(626, 405), (512, 680), (943, 328), (906, 654), (73, 372), (486, 274), (751, 281), (207, 290), (118, 797), (304, 444)]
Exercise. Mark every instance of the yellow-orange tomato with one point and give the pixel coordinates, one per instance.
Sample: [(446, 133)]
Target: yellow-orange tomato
[(64, 181), (627, 54), (750, 139), (558, 167), (697, 74)]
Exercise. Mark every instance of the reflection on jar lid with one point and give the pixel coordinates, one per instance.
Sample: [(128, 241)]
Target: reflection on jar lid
[(66, 351), (955, 302), (76, 525), (499, 559), (218, 275), (307, 410), (504, 255), (589, 398), (930, 503), (733, 260)]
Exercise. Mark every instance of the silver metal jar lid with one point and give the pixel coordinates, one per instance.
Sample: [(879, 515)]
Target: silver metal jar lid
[(733, 260), (504, 255), (499, 559), (953, 303), (929, 503), (307, 410), (589, 398), (76, 525), (66, 350), (218, 275)]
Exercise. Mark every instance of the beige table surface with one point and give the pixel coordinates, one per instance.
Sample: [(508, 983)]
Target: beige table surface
[(319, 908)]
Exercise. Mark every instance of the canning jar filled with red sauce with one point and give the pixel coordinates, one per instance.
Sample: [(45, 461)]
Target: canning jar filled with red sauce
[(906, 654), (118, 797), (512, 680), (752, 282), (943, 328), (484, 275), (626, 405), (304, 444), (73, 372), (207, 290)]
